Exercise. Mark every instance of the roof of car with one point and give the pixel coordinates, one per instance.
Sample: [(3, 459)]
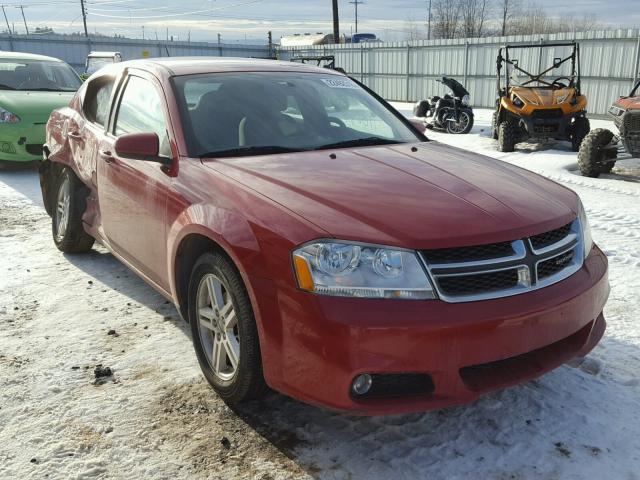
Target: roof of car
[(196, 65), (27, 56)]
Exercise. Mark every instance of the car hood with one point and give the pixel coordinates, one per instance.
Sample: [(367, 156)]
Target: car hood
[(33, 104), (435, 197)]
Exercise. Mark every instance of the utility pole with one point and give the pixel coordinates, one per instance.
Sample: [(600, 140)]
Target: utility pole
[(336, 22), (143, 32), (356, 3), (24, 19), (6, 20), (84, 18), (429, 23), (270, 37)]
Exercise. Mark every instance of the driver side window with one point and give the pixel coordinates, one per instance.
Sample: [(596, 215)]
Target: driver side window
[(141, 111)]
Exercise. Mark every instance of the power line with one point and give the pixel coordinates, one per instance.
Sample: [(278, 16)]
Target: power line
[(182, 14), (356, 3)]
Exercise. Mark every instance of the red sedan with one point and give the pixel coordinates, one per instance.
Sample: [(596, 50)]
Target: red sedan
[(316, 241)]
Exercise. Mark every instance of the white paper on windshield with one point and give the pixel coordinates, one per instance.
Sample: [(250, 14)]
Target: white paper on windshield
[(340, 83)]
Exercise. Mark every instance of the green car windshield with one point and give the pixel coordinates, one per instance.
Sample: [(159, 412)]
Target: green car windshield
[(37, 75)]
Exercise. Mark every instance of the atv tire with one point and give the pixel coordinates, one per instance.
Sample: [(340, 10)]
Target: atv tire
[(592, 159), (579, 130), (507, 136), (494, 126)]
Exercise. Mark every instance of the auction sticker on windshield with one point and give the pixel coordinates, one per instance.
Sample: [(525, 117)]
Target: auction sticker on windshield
[(340, 83)]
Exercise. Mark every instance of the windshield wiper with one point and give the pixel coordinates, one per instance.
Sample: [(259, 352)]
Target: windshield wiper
[(359, 142), (46, 89), (5, 87), (250, 151)]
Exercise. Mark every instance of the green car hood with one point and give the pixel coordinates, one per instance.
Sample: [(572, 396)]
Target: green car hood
[(33, 106)]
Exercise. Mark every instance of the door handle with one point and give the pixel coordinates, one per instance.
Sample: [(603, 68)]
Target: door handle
[(74, 136), (107, 156)]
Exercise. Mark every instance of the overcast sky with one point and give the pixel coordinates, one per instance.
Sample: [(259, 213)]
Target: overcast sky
[(251, 19)]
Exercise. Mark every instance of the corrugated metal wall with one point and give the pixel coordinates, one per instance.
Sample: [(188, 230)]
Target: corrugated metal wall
[(74, 49), (397, 71), (405, 71)]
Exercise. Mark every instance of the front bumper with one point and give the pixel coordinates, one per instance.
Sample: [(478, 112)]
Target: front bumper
[(314, 346), (558, 128), (21, 142)]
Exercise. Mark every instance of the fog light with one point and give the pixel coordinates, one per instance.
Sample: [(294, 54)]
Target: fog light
[(361, 384)]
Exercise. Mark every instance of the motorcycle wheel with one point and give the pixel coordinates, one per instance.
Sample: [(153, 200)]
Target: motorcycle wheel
[(463, 125)]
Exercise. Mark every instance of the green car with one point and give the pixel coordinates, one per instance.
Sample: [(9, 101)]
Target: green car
[(31, 87)]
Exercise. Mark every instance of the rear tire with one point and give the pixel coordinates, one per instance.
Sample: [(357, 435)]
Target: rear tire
[(579, 130), (69, 203), (223, 328), (592, 159), (507, 134), (421, 109)]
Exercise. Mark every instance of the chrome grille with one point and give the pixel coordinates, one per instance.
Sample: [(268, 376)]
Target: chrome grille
[(479, 252), (507, 268), (480, 282), (549, 238)]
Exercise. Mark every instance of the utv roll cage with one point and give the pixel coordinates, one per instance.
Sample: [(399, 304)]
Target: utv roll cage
[(636, 89), (504, 57)]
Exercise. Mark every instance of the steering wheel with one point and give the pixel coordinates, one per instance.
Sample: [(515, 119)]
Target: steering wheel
[(337, 121), (559, 84)]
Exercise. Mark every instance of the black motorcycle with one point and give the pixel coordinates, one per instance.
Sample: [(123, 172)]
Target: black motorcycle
[(452, 114)]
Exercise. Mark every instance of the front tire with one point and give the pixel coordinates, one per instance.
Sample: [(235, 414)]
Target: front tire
[(223, 328), (593, 160), (70, 202), (507, 133), (464, 124)]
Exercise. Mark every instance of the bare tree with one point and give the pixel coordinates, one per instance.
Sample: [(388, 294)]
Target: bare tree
[(445, 18), (474, 15), (507, 7)]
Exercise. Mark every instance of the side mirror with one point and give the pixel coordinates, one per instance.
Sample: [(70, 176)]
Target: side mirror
[(140, 146)]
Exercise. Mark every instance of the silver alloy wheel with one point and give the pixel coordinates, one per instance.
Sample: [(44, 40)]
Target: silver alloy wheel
[(63, 206), (218, 327), (460, 125)]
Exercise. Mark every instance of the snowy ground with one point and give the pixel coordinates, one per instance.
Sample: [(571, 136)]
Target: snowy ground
[(156, 418)]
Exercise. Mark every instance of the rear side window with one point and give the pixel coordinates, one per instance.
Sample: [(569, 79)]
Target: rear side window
[(141, 111), (97, 100)]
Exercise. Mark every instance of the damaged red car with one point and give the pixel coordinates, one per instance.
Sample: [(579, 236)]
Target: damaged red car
[(318, 243)]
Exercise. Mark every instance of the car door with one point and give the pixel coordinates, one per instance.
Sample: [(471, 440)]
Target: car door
[(133, 193)]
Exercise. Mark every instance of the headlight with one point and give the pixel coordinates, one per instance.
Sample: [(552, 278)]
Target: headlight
[(517, 102), (587, 240), (466, 100), (8, 117), (368, 271)]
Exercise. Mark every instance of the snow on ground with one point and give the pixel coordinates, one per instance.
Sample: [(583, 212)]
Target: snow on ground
[(62, 315)]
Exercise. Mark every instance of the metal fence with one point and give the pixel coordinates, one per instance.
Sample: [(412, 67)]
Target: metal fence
[(402, 71), (406, 71), (74, 49)]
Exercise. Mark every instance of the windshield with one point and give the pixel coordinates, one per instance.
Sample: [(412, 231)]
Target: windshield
[(254, 113), (37, 75), (96, 63)]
